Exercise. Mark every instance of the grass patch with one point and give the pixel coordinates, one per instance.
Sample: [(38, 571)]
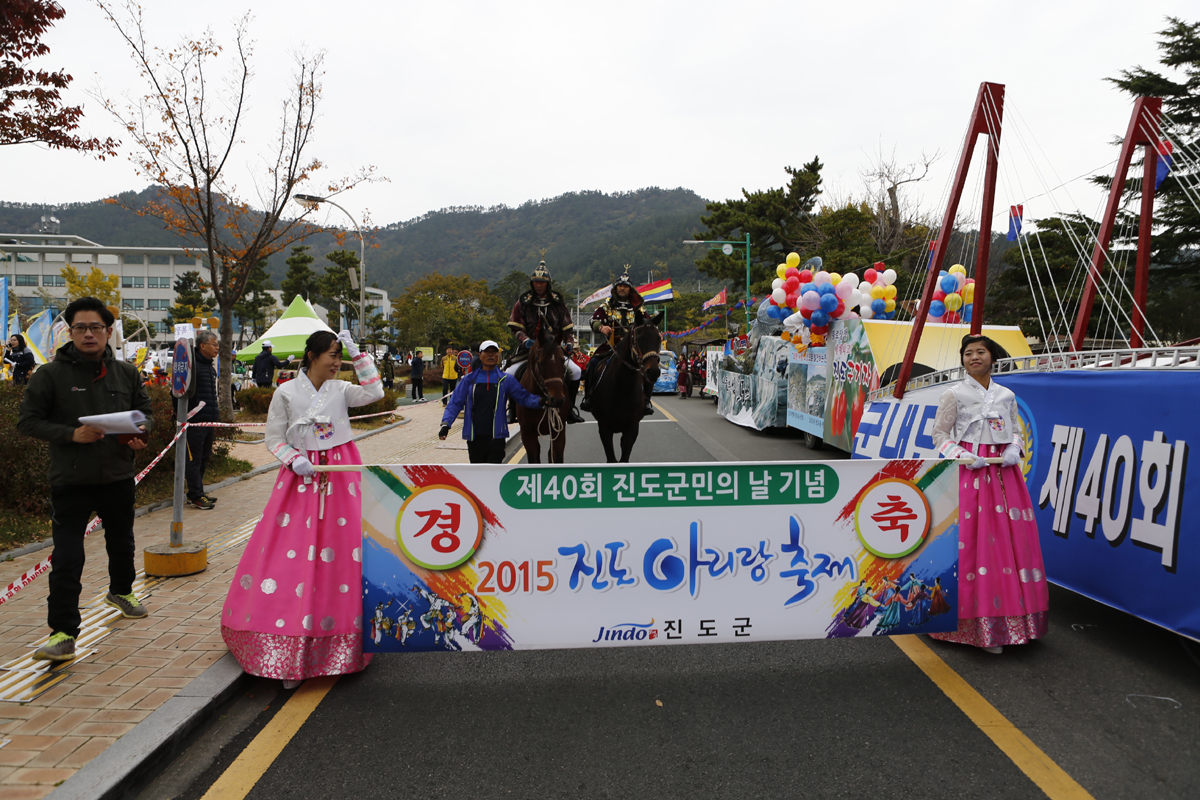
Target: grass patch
[(17, 529)]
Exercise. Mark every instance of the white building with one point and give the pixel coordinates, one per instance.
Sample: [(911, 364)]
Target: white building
[(33, 264)]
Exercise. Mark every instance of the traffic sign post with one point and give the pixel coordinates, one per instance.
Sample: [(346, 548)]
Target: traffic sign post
[(464, 359), (179, 557)]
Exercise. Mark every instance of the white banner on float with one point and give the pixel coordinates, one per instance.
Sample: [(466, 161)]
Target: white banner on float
[(482, 557)]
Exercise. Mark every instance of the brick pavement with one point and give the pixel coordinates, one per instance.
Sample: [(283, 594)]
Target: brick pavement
[(140, 665)]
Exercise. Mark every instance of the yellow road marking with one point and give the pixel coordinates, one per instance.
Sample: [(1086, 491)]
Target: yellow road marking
[(237, 781), (1028, 757), (517, 456), (666, 413)]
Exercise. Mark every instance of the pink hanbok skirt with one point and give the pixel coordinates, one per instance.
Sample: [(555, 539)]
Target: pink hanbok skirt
[(294, 610), (1003, 596)]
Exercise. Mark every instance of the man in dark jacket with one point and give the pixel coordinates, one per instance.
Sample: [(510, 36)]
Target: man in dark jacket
[(418, 376), (265, 364), (200, 440), (483, 393), (88, 470)]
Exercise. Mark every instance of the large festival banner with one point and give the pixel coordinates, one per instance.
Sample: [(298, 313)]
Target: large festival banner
[(482, 557), (1117, 518)]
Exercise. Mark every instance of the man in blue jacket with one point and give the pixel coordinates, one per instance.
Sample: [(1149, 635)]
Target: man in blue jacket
[(484, 393)]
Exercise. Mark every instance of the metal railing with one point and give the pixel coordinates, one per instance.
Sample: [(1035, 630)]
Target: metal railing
[(1143, 358)]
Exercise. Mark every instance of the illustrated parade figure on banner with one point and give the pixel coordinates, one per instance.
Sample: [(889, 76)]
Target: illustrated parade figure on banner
[(294, 610), (1003, 597), (542, 307), (441, 617), (378, 622), (404, 626), (472, 626), (615, 316)]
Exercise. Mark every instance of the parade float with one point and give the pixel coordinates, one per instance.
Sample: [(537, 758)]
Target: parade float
[(1107, 432)]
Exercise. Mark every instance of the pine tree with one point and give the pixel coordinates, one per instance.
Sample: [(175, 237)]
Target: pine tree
[(253, 307), (1175, 257), (190, 299), (300, 279)]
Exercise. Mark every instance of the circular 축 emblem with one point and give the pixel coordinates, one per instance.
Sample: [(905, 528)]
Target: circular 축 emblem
[(892, 518), (439, 527)]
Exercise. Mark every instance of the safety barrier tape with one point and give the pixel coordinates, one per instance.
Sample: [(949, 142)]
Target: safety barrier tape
[(32, 574)]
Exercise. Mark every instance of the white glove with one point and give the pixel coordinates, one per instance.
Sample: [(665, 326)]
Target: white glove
[(348, 341), (303, 467), (1012, 454), (978, 463)]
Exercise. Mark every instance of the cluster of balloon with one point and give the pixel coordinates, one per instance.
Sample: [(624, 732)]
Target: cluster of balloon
[(808, 298), (952, 302), (878, 292)]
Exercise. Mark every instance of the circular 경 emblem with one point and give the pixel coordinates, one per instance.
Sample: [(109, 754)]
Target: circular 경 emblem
[(439, 527), (892, 518)]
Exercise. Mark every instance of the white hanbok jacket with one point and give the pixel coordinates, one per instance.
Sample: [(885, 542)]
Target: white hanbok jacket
[(970, 413), (302, 419)]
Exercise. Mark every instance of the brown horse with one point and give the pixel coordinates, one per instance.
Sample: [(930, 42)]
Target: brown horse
[(544, 376), (619, 386)]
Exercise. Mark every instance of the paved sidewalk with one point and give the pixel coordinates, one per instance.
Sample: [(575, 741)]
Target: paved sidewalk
[(129, 669)]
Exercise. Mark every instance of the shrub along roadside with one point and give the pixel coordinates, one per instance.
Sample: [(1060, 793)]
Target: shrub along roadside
[(25, 499)]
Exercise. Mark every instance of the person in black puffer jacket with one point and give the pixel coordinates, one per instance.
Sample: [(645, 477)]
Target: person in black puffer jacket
[(200, 440), (21, 358)]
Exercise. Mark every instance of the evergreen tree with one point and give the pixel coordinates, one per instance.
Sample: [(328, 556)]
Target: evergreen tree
[(777, 221), (1175, 254), (336, 289), (301, 279), (252, 309), (190, 299)]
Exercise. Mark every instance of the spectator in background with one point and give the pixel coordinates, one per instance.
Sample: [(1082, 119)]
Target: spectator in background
[(449, 373), (20, 358), (265, 364), (418, 376), (200, 440)]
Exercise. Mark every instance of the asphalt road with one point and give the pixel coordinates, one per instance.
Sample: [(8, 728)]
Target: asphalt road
[(1112, 700)]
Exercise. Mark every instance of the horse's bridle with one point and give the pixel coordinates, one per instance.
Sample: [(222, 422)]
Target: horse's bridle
[(638, 362)]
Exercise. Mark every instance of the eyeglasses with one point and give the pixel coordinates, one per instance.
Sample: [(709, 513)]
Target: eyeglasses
[(82, 329)]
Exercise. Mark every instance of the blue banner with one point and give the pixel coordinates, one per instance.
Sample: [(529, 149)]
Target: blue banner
[(1118, 519)]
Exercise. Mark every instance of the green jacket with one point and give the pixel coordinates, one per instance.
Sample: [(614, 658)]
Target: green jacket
[(70, 387)]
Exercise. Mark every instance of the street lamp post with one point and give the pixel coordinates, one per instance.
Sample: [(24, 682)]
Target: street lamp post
[(728, 248), (312, 202)]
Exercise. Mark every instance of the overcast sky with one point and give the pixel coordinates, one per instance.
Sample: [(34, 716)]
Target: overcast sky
[(481, 103)]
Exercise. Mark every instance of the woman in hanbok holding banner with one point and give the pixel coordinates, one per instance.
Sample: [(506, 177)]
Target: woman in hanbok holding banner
[(294, 610), (1002, 593)]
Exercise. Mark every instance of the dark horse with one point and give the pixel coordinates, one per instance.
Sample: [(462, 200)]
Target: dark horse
[(543, 376), (619, 385)]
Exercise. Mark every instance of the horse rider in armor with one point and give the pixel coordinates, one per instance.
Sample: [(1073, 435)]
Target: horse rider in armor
[(611, 320), (543, 307)]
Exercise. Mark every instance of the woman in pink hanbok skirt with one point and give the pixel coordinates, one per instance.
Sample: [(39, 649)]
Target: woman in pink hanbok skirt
[(294, 610), (1002, 593)]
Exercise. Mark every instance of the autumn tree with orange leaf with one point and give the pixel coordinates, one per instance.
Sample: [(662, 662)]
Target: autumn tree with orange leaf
[(31, 103), (187, 130)]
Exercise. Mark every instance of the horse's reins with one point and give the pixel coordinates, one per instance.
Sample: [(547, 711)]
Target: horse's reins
[(553, 417)]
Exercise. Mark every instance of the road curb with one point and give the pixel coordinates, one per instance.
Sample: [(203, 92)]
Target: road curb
[(160, 735), (160, 505)]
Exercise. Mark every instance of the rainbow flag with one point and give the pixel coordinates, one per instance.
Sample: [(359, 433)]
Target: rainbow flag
[(657, 292)]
